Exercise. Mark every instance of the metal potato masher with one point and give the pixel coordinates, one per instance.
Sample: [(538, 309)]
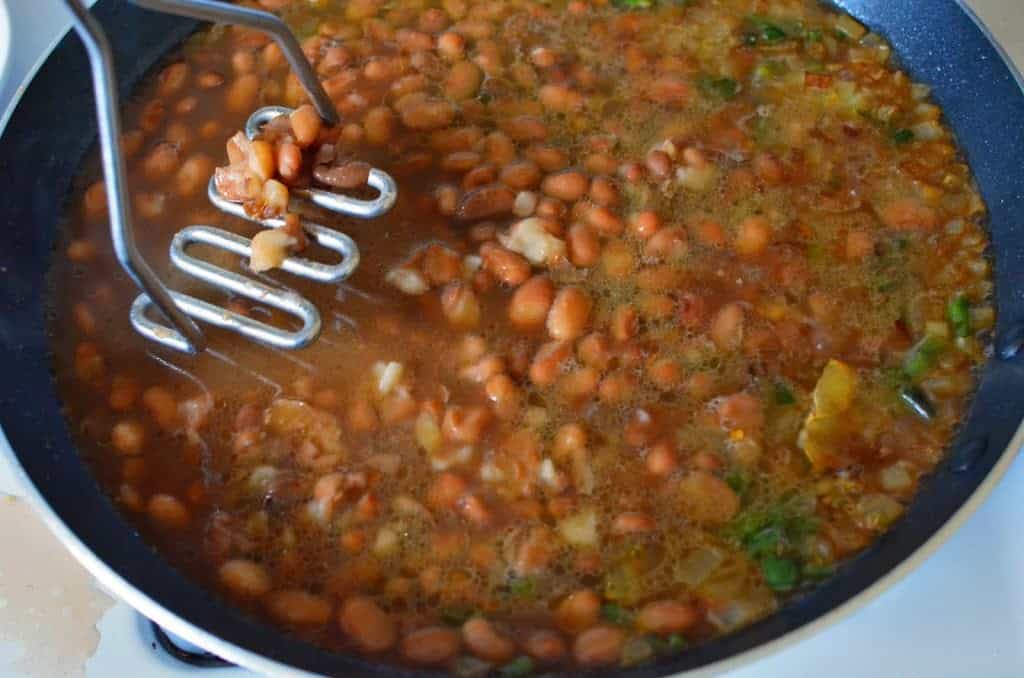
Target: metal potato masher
[(182, 310)]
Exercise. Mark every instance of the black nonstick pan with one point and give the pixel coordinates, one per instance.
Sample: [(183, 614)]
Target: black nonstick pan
[(53, 127)]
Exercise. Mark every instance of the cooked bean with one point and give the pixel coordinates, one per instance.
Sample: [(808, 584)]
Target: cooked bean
[(665, 373), (661, 459), (485, 202), (172, 79), (241, 95), (372, 629), (595, 350), (244, 578), (162, 407), (428, 115), (578, 611), (298, 608), (583, 245), (617, 387), (430, 645), (668, 616), (752, 236), (547, 363), (859, 245), (604, 192), (463, 81), (559, 98), (645, 224), (569, 314), (160, 161), (708, 233), (350, 175), (727, 326), (667, 244), (485, 642), (378, 123), (124, 392), (451, 46), (289, 162), (128, 437), (625, 322), (569, 185), (525, 128), (617, 259), (460, 161), (520, 175), (194, 174), (460, 306), (544, 646), (600, 645), (306, 125), (604, 221), (168, 512), (465, 424), (707, 498), (632, 522), (505, 265), (499, 149), (531, 301), (505, 396)]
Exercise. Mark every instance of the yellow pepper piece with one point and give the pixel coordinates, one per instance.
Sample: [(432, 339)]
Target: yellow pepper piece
[(822, 432)]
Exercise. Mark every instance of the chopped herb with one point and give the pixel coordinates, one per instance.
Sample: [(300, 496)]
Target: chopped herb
[(524, 587), (455, 616), (634, 4), (813, 35), (616, 614), (768, 542), (902, 244), (917, 402), (720, 88), (780, 573), (517, 668), (959, 313), (673, 644), (765, 31), (887, 286), (739, 482), (783, 396), (923, 356), (902, 136)]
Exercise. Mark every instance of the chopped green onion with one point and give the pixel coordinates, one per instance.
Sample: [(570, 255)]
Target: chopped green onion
[(959, 313), (923, 356), (634, 4), (739, 482), (675, 644), (818, 572), (813, 35), (770, 69), (902, 136), (616, 614), (517, 668), (524, 587), (721, 88), (917, 402), (781, 574), (783, 396), (888, 286), (767, 542), (766, 31)]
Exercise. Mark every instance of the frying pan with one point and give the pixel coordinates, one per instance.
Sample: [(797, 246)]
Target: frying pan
[(938, 41)]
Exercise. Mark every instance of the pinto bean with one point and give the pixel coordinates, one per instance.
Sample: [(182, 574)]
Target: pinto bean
[(289, 162), (604, 192), (583, 245), (306, 125), (661, 459), (378, 123), (752, 236), (486, 202), (617, 387), (372, 629), (499, 149), (667, 244), (505, 396), (569, 185), (578, 611), (507, 266), (160, 161), (350, 175), (727, 326), (298, 608), (460, 305), (531, 301), (569, 314), (599, 645), (547, 363), (430, 646), (451, 46), (559, 98), (632, 522), (520, 175), (465, 424), (525, 128), (244, 578), (168, 512), (645, 224), (128, 437), (707, 499), (483, 640), (463, 81), (428, 115), (241, 95), (668, 616)]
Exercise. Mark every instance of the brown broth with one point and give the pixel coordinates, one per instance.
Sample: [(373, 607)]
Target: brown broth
[(824, 221)]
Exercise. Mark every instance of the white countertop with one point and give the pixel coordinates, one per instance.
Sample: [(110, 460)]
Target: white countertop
[(960, 614)]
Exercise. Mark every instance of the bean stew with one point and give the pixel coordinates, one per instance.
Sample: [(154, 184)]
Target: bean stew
[(678, 303)]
